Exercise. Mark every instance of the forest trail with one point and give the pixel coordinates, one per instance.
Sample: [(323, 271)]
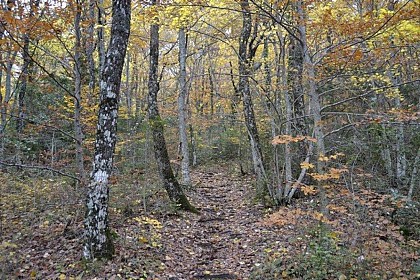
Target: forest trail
[(225, 241)]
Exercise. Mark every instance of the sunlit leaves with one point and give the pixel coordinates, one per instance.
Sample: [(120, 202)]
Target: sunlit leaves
[(306, 165), (285, 139)]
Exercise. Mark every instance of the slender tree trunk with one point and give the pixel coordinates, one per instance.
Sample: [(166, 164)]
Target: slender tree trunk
[(401, 165), (386, 156), (128, 92), (78, 133), (100, 34), (295, 86), (315, 104), (23, 84), (182, 109), (98, 243), (245, 57), (170, 183), (212, 91), (269, 105), (193, 146), (90, 49), (414, 176), (8, 88), (287, 146), (296, 95)]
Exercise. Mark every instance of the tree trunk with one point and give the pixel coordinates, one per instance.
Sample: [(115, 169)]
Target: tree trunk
[(100, 34), (295, 86), (128, 92), (170, 183), (313, 94), (414, 176), (182, 109), (98, 243), (23, 84), (315, 105), (90, 49), (245, 57), (296, 95), (78, 134), (287, 146)]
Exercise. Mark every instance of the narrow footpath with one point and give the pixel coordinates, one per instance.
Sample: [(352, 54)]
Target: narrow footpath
[(225, 241)]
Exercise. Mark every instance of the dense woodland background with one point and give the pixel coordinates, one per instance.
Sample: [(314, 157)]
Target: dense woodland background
[(292, 127)]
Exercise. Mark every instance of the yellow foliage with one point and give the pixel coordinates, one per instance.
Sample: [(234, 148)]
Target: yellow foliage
[(306, 165), (285, 139)]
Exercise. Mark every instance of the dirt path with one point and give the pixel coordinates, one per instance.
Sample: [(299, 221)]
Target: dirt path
[(225, 240)]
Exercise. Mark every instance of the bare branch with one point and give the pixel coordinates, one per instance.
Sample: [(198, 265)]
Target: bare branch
[(12, 164)]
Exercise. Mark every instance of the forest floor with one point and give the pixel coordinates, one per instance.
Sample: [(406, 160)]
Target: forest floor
[(233, 237)]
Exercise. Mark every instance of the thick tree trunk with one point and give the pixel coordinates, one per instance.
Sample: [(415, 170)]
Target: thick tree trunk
[(182, 109), (98, 243), (170, 183), (78, 134)]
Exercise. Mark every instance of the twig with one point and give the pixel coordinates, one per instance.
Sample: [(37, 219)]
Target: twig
[(11, 164)]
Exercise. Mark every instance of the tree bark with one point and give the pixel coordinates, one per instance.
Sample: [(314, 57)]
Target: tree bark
[(414, 176), (78, 133), (90, 49), (100, 34), (23, 84), (315, 105), (98, 243), (246, 53), (313, 94), (182, 109), (294, 79), (170, 183), (296, 93)]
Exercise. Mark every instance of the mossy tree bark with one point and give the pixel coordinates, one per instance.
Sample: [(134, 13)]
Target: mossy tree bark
[(170, 183)]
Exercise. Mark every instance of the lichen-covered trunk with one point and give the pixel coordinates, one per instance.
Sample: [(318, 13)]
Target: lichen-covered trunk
[(182, 109), (245, 57), (98, 243), (170, 183), (78, 133)]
